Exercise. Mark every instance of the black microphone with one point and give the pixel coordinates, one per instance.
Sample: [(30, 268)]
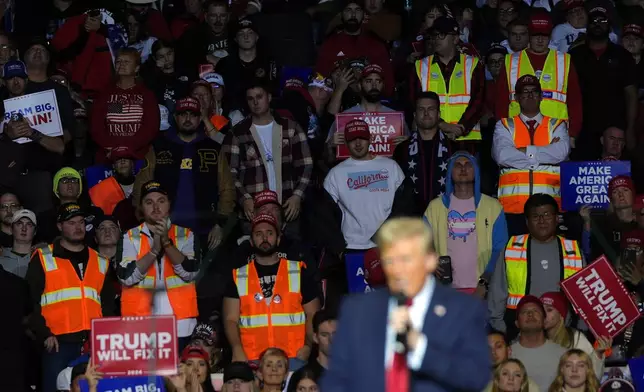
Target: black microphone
[(400, 346)]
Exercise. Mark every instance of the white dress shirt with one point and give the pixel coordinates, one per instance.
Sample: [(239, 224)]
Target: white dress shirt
[(507, 155), (417, 313)]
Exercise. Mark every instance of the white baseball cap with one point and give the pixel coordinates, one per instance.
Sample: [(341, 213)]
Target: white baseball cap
[(164, 114), (213, 78), (64, 380), (24, 214)]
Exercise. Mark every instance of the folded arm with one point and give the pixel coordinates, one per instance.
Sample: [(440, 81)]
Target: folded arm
[(554, 153), (504, 151)]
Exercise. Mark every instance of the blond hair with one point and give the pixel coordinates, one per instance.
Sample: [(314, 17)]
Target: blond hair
[(274, 351), (397, 229), (563, 335), (497, 375), (592, 384)]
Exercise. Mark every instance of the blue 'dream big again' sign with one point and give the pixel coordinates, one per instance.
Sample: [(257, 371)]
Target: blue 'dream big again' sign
[(587, 182), (126, 384)]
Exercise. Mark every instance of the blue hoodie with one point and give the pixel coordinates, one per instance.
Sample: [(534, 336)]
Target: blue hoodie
[(491, 243)]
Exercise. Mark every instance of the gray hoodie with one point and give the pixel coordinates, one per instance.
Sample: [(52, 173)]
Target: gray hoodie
[(14, 263)]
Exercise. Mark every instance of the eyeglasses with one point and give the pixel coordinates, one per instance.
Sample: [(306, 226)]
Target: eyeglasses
[(507, 11), (600, 20), (546, 216), (10, 206), (70, 180), (436, 36), (495, 62)]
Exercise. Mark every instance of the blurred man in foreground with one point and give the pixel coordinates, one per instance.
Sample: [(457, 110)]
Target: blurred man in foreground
[(430, 320)]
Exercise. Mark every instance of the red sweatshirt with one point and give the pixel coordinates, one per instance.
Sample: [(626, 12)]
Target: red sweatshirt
[(574, 93), (341, 46), (125, 118)]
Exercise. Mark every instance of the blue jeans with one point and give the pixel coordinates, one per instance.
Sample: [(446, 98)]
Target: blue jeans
[(54, 362)]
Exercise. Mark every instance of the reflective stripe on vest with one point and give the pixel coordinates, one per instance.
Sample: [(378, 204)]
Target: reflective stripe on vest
[(278, 321), (182, 295), (517, 185), (516, 265), (453, 101), (68, 303), (553, 80)]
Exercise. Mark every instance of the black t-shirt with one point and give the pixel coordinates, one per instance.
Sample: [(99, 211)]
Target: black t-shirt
[(267, 275)]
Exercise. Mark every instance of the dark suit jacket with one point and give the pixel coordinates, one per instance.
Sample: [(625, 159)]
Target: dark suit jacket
[(457, 356)]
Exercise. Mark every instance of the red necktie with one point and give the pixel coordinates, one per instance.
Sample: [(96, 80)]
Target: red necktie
[(532, 124), (398, 374)]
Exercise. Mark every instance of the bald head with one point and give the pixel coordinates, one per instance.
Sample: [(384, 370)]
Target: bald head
[(613, 141)]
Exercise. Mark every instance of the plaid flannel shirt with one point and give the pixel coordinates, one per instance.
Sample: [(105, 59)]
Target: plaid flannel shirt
[(247, 167)]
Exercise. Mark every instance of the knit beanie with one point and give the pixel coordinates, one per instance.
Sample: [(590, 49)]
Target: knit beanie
[(557, 300), (67, 172)]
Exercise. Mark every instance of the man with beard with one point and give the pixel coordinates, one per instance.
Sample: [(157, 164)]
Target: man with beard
[(69, 285), (371, 87), (9, 204), (608, 100), (270, 302), (246, 63), (159, 264), (206, 42), (363, 186), (194, 173), (352, 43)]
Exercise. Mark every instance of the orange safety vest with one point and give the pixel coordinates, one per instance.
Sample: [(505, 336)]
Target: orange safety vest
[(517, 185), (278, 321), (107, 194), (136, 300), (68, 303)]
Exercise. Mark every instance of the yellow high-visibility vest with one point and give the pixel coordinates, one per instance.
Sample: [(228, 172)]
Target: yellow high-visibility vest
[(516, 265), (553, 80), (455, 102)]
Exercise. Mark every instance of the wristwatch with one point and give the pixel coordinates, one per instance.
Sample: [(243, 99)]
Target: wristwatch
[(483, 282)]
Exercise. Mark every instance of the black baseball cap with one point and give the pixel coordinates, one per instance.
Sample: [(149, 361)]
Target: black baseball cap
[(496, 48), (68, 211), (444, 25), (245, 23), (205, 332), (105, 218), (240, 371), (151, 187)]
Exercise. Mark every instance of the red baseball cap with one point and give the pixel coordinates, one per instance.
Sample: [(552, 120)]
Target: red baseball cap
[(620, 182), (632, 238), (120, 153), (187, 104), (194, 352), (265, 197), (373, 272), (529, 299), (526, 80), (540, 24), (557, 300), (632, 29), (356, 129), (372, 68), (264, 218)]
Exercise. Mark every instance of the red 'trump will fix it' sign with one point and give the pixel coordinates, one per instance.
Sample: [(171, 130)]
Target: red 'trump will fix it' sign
[(599, 297), (135, 345)]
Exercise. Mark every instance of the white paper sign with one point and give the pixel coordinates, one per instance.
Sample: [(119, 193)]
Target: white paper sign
[(40, 109)]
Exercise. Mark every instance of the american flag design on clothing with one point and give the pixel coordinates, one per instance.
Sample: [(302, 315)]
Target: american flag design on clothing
[(121, 113)]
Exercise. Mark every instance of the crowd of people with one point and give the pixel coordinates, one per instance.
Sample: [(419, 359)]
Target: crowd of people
[(195, 171)]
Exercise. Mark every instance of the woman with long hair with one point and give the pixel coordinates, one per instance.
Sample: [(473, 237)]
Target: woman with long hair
[(556, 307), (303, 380), (273, 370), (510, 376), (195, 361), (575, 373)]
